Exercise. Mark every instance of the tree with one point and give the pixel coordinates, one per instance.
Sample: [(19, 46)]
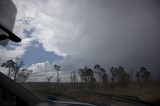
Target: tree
[(10, 64), (98, 73), (81, 73), (119, 76), (86, 75), (18, 65), (113, 74), (143, 75), (15, 70), (138, 76), (105, 79), (23, 75), (57, 68), (49, 79), (73, 78), (123, 76)]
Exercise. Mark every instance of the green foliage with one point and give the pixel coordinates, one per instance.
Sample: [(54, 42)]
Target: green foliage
[(57, 67), (143, 75), (123, 76), (15, 71), (119, 76), (105, 78), (86, 74), (98, 72), (87, 77), (113, 74), (10, 64)]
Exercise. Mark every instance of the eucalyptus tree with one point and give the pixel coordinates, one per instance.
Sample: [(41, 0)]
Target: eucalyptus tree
[(123, 76), (113, 74), (57, 68), (15, 70), (23, 74), (87, 75), (98, 72), (143, 75), (10, 65), (73, 77), (104, 77), (119, 76), (18, 65)]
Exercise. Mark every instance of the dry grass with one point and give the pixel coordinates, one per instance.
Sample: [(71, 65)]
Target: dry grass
[(148, 92)]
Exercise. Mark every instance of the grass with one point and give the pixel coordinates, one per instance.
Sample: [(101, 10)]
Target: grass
[(147, 92)]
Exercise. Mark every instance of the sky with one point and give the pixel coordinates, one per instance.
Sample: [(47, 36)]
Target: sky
[(76, 33)]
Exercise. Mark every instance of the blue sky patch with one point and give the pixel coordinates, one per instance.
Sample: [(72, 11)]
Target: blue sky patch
[(36, 54)]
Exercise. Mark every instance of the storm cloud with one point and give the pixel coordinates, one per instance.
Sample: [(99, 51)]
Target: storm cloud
[(87, 32)]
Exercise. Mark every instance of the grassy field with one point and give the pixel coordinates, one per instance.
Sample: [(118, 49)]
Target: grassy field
[(147, 92)]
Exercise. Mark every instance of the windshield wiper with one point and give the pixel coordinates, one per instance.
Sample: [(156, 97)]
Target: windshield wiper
[(11, 36)]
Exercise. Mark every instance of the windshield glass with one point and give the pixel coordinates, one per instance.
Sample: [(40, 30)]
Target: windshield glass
[(88, 51)]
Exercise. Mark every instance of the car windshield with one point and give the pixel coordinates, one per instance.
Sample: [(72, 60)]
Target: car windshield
[(93, 51)]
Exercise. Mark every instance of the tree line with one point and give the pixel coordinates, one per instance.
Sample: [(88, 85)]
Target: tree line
[(117, 76), (87, 76)]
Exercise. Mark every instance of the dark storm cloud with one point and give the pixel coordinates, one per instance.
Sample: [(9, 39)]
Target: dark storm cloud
[(108, 32), (122, 32)]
